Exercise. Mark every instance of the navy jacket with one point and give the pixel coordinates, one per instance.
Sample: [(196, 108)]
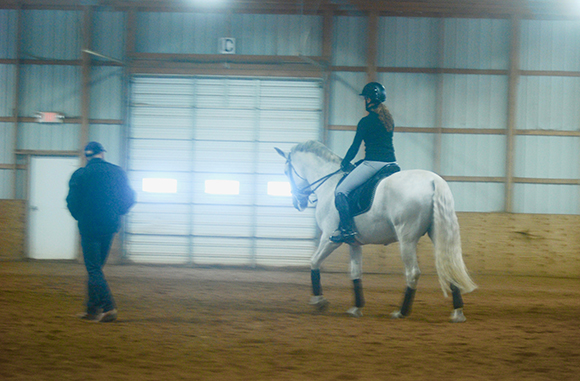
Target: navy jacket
[(99, 194)]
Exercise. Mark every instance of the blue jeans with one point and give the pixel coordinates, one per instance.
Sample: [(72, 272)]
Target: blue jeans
[(95, 254)]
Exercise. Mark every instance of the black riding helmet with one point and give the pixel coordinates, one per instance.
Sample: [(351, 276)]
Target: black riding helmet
[(375, 92)]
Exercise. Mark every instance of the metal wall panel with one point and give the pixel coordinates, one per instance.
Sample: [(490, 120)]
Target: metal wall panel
[(548, 157), (106, 93), (225, 129), (340, 141), (49, 34), (7, 94), (548, 103), (407, 42), (478, 197), (473, 155), (414, 150), (8, 28), (191, 33), (258, 34), (285, 35), (108, 34), (50, 88), (6, 181), (411, 98), (476, 43), (349, 41), (6, 143), (111, 137), (550, 45), (546, 198), (475, 101), (58, 137), (346, 106)]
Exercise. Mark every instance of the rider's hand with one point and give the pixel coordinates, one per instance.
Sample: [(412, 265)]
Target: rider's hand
[(346, 166)]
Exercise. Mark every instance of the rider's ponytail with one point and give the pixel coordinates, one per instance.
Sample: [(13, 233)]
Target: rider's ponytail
[(384, 116)]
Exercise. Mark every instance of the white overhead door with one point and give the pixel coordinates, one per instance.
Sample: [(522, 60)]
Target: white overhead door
[(201, 158)]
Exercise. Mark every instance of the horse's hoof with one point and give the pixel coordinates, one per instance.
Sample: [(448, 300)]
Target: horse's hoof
[(355, 312), (319, 302), (457, 316), (397, 315)]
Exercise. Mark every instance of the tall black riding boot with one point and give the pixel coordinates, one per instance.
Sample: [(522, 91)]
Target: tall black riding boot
[(345, 231)]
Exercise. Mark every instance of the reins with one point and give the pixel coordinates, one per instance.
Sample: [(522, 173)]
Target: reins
[(306, 191)]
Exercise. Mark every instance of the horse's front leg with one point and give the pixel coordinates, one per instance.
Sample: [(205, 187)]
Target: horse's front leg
[(356, 276), (325, 248)]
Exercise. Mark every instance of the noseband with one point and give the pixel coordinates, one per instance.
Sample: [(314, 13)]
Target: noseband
[(306, 191)]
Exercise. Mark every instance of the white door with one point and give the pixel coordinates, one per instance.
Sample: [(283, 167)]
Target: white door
[(52, 230)]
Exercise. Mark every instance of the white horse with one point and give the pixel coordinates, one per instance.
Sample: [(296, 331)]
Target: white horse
[(406, 205)]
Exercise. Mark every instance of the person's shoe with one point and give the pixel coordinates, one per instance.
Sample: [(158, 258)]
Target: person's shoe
[(340, 236), (87, 316), (107, 317)]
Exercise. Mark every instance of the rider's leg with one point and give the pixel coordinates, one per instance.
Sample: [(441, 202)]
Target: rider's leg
[(345, 232)]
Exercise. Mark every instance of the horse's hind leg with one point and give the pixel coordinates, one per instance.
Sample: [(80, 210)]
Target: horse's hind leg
[(412, 274), (356, 276)]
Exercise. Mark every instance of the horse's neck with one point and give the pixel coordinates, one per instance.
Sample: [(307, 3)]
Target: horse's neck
[(313, 168)]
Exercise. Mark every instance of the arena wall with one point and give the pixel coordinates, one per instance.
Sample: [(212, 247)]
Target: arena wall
[(493, 244)]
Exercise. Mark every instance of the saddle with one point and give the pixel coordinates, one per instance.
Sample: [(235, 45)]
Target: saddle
[(361, 199)]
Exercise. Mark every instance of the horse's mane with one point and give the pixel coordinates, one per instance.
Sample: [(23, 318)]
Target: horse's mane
[(317, 148)]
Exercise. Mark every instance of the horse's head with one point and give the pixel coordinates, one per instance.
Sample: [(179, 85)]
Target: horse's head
[(299, 186)]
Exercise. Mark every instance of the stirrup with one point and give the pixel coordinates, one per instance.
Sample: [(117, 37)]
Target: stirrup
[(340, 236)]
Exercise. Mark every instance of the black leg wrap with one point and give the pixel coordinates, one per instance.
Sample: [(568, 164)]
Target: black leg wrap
[(316, 287), (457, 299), (408, 301), (359, 298)]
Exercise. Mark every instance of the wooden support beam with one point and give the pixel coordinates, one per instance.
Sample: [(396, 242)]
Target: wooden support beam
[(86, 76), (513, 78), (372, 40), (16, 93)]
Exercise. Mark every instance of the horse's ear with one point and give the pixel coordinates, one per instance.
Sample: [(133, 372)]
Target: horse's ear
[(280, 152)]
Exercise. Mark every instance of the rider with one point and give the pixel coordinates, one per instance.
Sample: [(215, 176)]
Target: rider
[(376, 130)]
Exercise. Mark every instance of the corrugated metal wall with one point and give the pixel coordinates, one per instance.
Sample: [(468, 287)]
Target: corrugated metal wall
[(546, 100), (8, 27), (190, 33), (548, 103), (471, 101)]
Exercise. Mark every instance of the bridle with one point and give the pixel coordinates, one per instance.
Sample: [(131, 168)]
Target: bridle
[(306, 191)]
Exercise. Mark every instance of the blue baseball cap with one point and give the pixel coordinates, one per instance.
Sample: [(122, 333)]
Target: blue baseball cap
[(94, 148)]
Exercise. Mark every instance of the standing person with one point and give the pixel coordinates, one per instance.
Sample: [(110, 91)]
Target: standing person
[(376, 130), (99, 194)]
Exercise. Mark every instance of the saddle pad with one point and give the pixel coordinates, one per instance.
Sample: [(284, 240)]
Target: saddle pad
[(361, 199)]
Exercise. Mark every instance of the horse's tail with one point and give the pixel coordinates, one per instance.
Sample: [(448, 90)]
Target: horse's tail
[(447, 241)]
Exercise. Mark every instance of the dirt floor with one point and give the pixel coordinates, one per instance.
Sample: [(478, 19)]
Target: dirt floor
[(224, 324)]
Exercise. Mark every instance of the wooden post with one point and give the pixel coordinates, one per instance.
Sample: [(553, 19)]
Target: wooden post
[(327, 56), (513, 78), (372, 33), (86, 78), (439, 97), (16, 103)]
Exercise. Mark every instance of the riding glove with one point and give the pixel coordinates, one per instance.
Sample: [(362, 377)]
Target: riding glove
[(346, 166)]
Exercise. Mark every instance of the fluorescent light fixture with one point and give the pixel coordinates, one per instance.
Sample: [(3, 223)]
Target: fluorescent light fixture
[(227, 187), (159, 185), (279, 188)]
